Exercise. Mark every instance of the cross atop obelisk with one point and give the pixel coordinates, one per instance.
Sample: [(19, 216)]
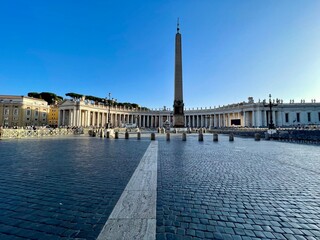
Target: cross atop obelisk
[(178, 105)]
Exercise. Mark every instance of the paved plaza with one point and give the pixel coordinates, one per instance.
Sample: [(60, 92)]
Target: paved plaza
[(70, 188), (239, 190)]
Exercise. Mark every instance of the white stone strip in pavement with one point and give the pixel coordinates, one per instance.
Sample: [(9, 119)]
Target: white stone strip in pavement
[(134, 216)]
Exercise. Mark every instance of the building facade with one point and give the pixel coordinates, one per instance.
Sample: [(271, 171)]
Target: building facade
[(25, 111), (22, 111), (53, 115), (245, 114)]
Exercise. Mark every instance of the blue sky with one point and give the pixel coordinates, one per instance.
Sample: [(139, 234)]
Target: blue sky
[(231, 49)]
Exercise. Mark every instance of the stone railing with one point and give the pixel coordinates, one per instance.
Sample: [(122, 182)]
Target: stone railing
[(26, 133)]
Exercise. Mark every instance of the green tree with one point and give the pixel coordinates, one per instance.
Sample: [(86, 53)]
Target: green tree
[(74, 95), (47, 96)]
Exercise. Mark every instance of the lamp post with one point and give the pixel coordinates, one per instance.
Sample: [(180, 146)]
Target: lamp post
[(110, 101), (109, 106), (270, 105)]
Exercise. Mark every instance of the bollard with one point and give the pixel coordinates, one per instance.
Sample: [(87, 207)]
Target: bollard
[(215, 137), (266, 136), (231, 137), (184, 137), (200, 138), (257, 137), (126, 135), (108, 134), (116, 135), (168, 137), (139, 135), (153, 136), (102, 133)]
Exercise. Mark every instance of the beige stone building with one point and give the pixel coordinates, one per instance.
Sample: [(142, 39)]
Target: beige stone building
[(53, 115), (22, 111)]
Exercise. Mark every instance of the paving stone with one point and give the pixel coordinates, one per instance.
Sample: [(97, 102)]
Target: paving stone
[(244, 190), (57, 194), (276, 200)]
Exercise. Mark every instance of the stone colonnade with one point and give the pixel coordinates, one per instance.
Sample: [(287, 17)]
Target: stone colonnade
[(228, 119), (87, 117), (83, 114)]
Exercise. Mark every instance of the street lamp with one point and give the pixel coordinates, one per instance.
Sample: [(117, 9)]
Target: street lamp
[(110, 101), (270, 105), (109, 106)]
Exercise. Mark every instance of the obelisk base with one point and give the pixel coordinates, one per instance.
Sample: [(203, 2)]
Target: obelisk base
[(178, 121)]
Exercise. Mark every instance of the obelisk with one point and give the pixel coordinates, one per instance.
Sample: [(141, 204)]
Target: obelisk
[(178, 105)]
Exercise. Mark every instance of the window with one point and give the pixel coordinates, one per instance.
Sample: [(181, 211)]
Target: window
[(44, 115), (298, 117), (15, 111), (28, 112), (309, 116), (287, 117), (36, 112), (6, 111)]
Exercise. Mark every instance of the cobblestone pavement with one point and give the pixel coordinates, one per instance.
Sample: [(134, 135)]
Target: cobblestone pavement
[(237, 190), (62, 188)]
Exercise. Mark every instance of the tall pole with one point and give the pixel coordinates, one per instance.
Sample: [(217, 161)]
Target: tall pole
[(109, 103), (270, 105)]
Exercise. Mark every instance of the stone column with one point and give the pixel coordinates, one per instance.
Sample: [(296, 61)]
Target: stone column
[(79, 118), (87, 118), (74, 116), (265, 118), (258, 118), (63, 116), (107, 117), (254, 118), (84, 118), (70, 122), (59, 117), (97, 119), (103, 119), (74, 113), (244, 119)]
